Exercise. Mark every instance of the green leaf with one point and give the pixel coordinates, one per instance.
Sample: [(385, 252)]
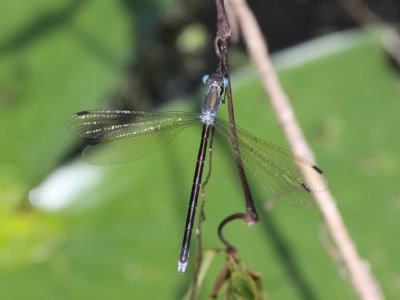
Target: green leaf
[(241, 285)]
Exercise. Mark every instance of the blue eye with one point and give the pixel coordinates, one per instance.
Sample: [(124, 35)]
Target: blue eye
[(205, 78), (226, 82)]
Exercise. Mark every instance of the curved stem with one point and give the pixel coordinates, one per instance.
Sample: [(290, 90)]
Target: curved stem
[(227, 220)]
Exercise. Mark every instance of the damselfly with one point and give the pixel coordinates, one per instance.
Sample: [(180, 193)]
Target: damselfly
[(122, 136)]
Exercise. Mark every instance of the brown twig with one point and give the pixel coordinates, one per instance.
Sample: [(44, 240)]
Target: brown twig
[(365, 17), (221, 50), (361, 278), (220, 281)]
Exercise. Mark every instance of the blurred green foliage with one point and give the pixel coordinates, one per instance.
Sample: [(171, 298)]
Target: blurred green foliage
[(120, 237)]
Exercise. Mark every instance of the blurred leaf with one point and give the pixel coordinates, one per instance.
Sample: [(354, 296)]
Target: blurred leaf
[(57, 60), (192, 39), (60, 60)]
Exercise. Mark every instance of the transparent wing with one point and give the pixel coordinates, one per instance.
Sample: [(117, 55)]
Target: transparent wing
[(121, 136), (283, 174)]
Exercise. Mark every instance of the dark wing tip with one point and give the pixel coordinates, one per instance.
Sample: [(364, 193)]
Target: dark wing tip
[(82, 113), (72, 121), (316, 168), (306, 187)]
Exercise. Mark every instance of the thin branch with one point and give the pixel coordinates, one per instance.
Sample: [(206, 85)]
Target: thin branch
[(221, 50), (220, 281), (361, 278)]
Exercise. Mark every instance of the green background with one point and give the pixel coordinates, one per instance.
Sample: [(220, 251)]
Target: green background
[(119, 237)]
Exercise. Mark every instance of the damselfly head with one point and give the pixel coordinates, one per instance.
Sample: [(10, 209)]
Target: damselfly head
[(215, 78)]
